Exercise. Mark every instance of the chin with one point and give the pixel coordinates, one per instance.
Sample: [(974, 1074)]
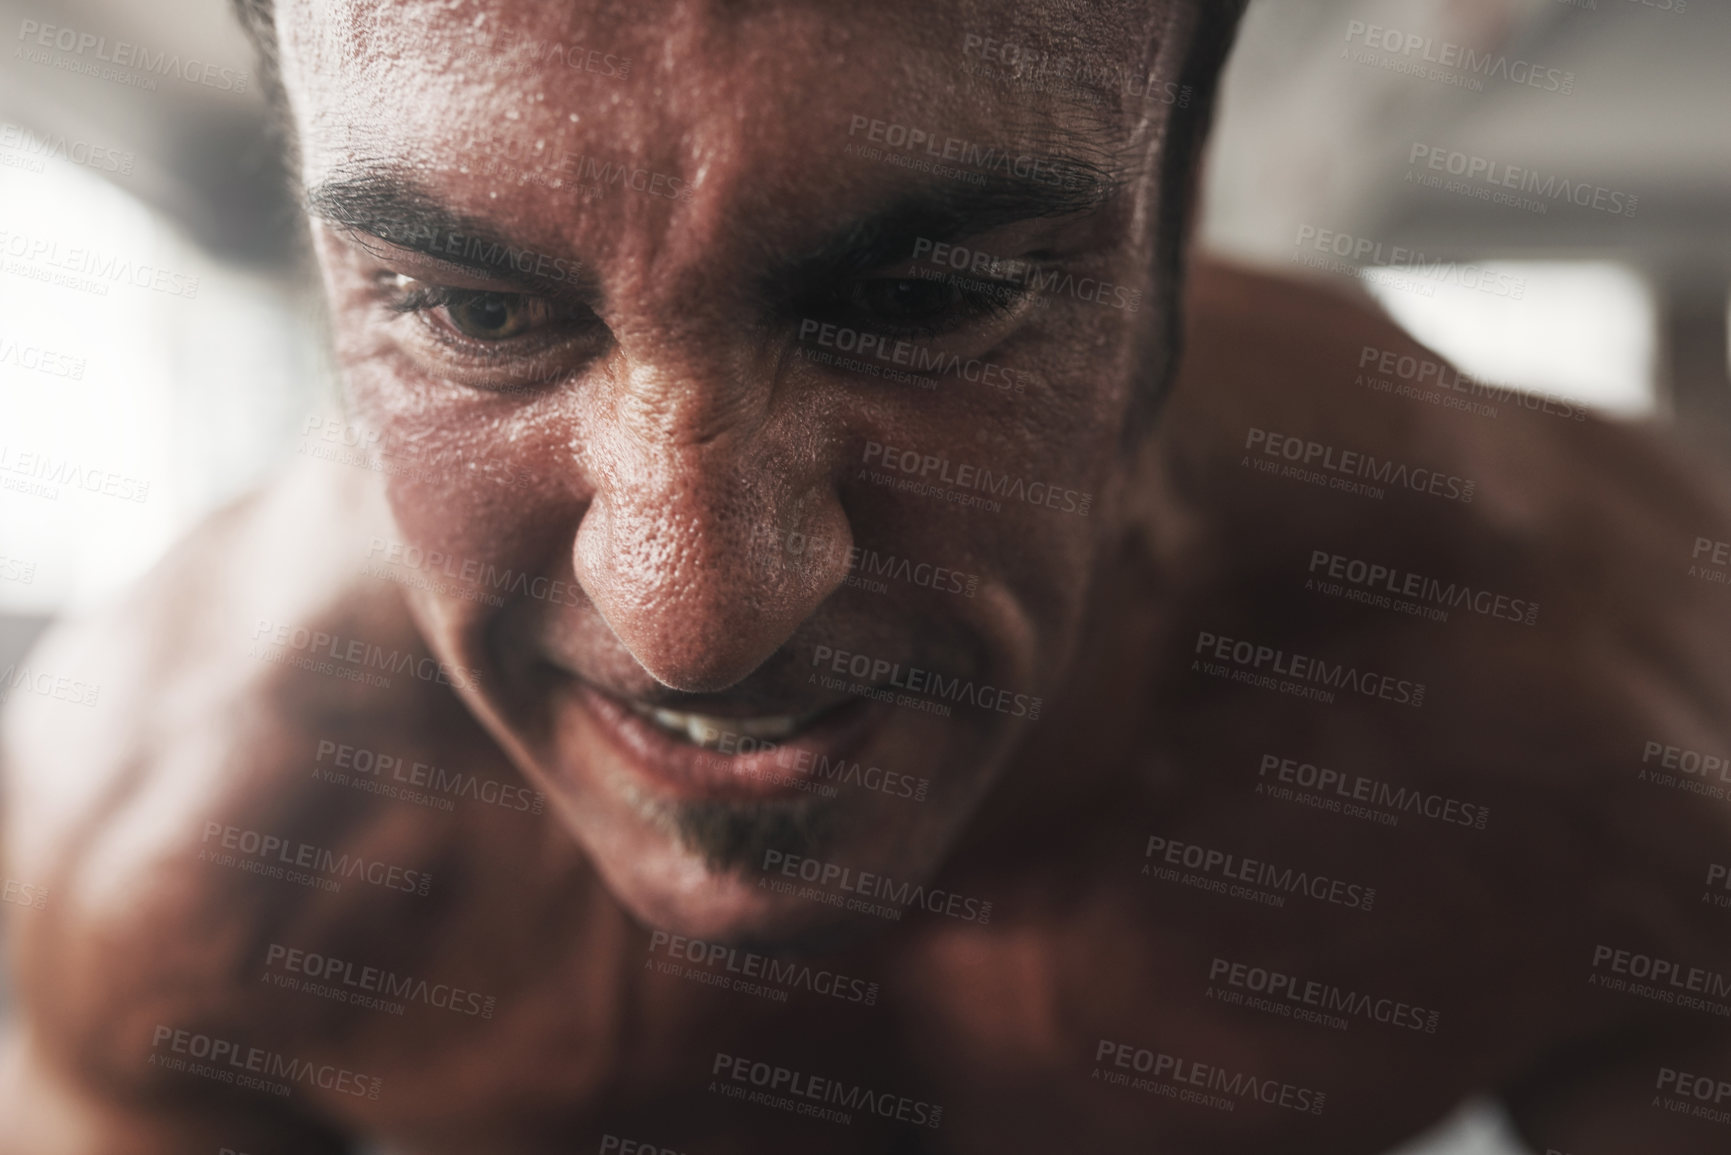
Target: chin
[(778, 873), (731, 910), (806, 819)]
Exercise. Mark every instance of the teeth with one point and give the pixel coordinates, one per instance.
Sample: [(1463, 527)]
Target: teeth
[(708, 731)]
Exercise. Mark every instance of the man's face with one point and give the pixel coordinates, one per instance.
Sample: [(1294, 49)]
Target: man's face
[(760, 508)]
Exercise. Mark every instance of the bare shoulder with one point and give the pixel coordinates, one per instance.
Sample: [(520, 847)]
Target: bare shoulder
[(1306, 417), (1343, 493), (274, 768), (1420, 668), (1270, 355), (170, 665), (1448, 597)]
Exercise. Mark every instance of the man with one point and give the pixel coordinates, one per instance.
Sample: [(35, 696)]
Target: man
[(748, 676)]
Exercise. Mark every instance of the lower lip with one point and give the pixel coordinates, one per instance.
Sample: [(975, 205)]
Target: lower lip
[(690, 770)]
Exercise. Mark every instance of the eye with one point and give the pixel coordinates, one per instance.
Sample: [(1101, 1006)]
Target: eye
[(920, 306), (493, 316), (488, 339), (904, 299), (484, 316)]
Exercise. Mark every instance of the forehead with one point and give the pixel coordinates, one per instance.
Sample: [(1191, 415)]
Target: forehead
[(509, 107)]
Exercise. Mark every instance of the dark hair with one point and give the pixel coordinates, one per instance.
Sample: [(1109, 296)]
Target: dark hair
[(1216, 27), (1187, 134), (258, 18)]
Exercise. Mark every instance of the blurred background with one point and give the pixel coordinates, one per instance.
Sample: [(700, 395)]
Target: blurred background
[(1570, 236)]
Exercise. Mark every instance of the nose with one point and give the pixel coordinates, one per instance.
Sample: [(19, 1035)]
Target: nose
[(684, 545)]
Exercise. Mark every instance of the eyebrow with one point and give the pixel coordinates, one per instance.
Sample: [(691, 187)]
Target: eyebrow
[(944, 213), (391, 206)]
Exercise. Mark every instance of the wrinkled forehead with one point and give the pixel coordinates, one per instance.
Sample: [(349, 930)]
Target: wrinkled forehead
[(786, 96)]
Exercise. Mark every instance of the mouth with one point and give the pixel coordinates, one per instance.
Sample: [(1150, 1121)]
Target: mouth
[(710, 731), (743, 757)]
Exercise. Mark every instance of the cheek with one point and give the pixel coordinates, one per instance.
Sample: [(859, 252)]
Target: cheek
[(1068, 433), (1069, 443), (481, 479), (498, 487)]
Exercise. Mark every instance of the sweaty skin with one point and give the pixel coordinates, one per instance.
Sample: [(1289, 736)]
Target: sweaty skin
[(1493, 930), (311, 746)]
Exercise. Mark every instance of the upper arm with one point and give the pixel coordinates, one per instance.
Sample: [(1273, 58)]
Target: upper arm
[(104, 797), (1670, 1094), (49, 1108)]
